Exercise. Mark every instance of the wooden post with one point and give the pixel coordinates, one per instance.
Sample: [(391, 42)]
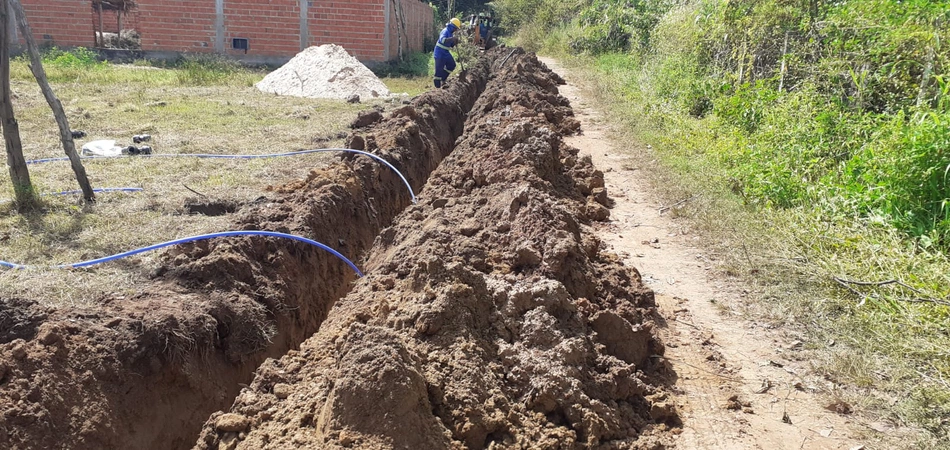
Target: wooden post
[(781, 78), (19, 173), (102, 37), (36, 66)]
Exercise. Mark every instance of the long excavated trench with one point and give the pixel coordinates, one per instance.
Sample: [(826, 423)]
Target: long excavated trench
[(489, 316)]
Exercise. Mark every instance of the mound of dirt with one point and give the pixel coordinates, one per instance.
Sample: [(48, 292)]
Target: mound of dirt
[(490, 318), (327, 71), (146, 369)]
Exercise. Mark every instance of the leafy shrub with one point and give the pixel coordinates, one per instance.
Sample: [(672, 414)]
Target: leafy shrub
[(77, 58)]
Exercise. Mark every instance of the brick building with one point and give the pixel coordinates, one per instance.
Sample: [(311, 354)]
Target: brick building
[(270, 31)]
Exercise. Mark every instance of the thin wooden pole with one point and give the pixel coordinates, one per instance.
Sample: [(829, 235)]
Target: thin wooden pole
[(19, 173), (36, 66), (781, 78)]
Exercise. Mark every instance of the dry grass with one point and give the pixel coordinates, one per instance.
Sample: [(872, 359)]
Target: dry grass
[(228, 116)]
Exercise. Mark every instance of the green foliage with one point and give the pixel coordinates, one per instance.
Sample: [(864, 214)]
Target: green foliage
[(830, 117), (77, 58), (413, 65), (617, 25)]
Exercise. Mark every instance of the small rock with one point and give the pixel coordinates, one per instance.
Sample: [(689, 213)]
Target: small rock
[(48, 336), (527, 256), (839, 407), (439, 202), (662, 411), (469, 229), (347, 439), (598, 212), (19, 349), (231, 423), (366, 118), (353, 99), (229, 441), (600, 196), (282, 390)]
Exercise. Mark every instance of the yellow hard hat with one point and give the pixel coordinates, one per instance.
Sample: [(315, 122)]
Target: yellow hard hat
[(456, 22)]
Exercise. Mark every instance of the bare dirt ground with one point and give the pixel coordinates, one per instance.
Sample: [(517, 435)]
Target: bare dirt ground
[(736, 379), (490, 318)]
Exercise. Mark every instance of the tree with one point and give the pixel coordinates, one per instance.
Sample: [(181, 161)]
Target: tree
[(36, 66), (19, 174)]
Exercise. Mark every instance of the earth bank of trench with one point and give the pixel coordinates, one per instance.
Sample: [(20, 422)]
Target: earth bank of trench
[(490, 317), (146, 371)]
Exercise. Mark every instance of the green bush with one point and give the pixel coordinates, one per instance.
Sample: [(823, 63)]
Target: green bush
[(77, 58)]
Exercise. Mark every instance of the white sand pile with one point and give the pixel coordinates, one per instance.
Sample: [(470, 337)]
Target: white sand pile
[(327, 71)]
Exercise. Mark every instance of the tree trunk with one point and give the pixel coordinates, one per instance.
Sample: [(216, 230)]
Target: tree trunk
[(36, 66), (118, 22), (397, 9), (19, 173)]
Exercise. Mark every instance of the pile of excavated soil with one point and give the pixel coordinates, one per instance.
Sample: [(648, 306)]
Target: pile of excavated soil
[(146, 369), (327, 71), (490, 317)]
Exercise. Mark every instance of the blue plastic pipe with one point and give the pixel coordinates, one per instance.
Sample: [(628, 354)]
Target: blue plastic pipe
[(202, 237), (272, 155), (99, 190)]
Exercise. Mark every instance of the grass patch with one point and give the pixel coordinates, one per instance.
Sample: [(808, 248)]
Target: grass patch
[(195, 107), (413, 75)]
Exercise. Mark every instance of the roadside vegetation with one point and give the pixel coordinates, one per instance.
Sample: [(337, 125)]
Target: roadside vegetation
[(196, 105), (813, 139)]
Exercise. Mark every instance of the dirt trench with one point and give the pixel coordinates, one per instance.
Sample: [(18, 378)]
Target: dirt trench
[(146, 370), (490, 318)]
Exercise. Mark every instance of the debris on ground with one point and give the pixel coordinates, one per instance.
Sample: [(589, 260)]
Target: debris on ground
[(327, 71)]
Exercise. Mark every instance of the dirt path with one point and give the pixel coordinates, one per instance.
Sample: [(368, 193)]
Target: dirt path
[(723, 362)]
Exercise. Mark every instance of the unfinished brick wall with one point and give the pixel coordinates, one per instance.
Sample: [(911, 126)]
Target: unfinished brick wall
[(177, 25), (357, 25), (272, 27), (64, 22)]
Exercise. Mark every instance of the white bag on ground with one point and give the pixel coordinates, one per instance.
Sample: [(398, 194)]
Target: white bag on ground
[(105, 147)]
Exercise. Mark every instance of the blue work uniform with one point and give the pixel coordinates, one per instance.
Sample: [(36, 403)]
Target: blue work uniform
[(444, 62)]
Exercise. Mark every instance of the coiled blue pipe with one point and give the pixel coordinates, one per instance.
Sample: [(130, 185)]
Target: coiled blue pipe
[(202, 237), (272, 155)]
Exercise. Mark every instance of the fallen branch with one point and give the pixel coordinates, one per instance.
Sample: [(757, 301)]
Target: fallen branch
[(847, 284), (674, 205), (192, 190)]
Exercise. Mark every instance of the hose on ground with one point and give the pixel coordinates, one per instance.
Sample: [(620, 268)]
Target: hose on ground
[(271, 155), (202, 237)]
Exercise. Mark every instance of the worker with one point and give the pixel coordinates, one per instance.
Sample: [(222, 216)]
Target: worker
[(483, 30), (444, 62)]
